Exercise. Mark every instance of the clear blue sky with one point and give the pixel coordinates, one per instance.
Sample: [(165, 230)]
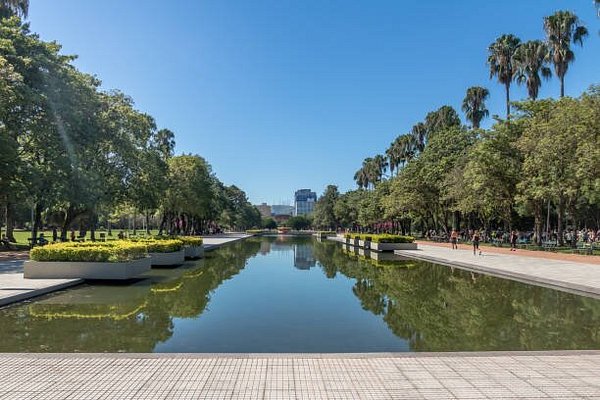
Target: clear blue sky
[(279, 95)]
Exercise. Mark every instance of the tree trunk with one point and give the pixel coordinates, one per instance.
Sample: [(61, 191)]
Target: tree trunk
[(69, 217), (562, 86), (507, 100), (93, 226), (538, 222), (37, 221), (560, 211), (147, 222), (10, 221)]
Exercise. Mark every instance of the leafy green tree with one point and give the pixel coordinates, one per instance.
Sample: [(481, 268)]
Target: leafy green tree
[(563, 28), (299, 222), (9, 8), (324, 214), (269, 223), (474, 105), (501, 63), (530, 61)]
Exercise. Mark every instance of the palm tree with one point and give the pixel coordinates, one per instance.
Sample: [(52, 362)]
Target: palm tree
[(379, 166), (14, 7), (562, 28), (474, 105), (393, 154), (419, 134), (500, 60), (530, 60), (361, 178)]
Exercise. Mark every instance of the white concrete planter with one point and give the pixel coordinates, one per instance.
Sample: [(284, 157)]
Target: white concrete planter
[(194, 251), (168, 259), (85, 270), (393, 246), (364, 244), (353, 242)]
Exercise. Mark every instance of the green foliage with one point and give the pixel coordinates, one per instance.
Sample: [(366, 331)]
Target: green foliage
[(299, 222), (161, 246), (269, 223), (111, 252), (324, 214)]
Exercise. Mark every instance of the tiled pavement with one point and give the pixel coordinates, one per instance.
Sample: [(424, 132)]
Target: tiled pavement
[(302, 376), (576, 277)]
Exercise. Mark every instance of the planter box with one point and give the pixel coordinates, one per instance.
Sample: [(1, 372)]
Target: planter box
[(168, 259), (353, 242), (85, 270), (194, 251), (393, 246), (365, 244)]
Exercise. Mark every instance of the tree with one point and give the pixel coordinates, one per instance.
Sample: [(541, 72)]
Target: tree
[(474, 105), (299, 222), (530, 61), (501, 62), (562, 28), (14, 7), (324, 214)]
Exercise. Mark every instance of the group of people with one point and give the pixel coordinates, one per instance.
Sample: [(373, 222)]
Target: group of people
[(476, 238)]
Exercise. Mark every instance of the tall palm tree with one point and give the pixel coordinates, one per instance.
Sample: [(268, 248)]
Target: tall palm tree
[(361, 178), (530, 60), (474, 105), (379, 167), (500, 60), (419, 134), (562, 28), (14, 7)]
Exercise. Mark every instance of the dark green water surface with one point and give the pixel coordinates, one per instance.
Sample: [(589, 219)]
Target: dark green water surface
[(286, 294)]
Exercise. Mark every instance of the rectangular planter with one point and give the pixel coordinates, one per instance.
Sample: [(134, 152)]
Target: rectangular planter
[(393, 246), (194, 251), (168, 259), (364, 243), (85, 270)]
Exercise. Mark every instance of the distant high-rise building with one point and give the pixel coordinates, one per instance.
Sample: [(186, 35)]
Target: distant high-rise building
[(304, 202), (265, 210), (277, 210)]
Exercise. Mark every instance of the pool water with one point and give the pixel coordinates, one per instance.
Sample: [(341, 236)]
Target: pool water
[(292, 294)]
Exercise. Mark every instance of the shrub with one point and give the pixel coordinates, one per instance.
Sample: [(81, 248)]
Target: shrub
[(187, 240), (112, 252), (392, 239), (191, 240), (255, 231), (160, 246)]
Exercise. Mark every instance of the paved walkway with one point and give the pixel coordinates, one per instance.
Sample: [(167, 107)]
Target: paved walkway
[(14, 287), (304, 376), (575, 277), (548, 255)]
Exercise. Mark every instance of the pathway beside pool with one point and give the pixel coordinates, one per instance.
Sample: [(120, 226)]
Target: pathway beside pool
[(567, 275), (532, 375), (14, 287)]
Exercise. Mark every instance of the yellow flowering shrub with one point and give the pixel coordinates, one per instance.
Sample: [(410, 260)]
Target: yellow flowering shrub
[(115, 251)]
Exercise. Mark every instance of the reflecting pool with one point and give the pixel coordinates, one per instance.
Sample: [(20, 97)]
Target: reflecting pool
[(292, 294)]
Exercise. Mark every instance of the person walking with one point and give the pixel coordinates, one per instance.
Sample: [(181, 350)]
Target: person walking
[(475, 239), (454, 239), (513, 240)]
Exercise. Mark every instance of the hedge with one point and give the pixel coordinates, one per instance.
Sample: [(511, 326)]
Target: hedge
[(187, 240), (380, 238), (160, 246), (111, 252)]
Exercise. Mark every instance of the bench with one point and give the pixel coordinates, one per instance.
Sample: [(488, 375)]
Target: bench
[(497, 242), (583, 248), (549, 245)]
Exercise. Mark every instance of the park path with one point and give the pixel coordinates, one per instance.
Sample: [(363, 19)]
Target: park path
[(547, 255), (571, 274), (535, 375)]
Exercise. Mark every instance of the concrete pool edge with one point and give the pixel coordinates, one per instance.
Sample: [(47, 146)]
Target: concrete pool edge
[(452, 354), (564, 286)]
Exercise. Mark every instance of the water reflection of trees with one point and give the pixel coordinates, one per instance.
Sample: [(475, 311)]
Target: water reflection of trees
[(438, 308), (135, 320)]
